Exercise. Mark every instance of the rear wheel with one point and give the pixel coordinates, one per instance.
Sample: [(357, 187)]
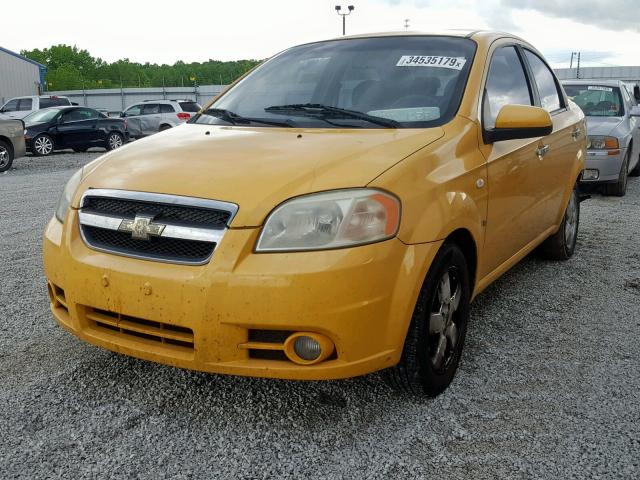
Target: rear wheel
[(438, 327), (42, 145), (619, 189), (114, 140), (6, 156), (562, 244)]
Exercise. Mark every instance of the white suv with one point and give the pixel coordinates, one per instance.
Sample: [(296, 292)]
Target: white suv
[(20, 107), (153, 116)]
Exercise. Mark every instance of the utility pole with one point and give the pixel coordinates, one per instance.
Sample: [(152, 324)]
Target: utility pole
[(577, 56), (350, 9), (578, 68)]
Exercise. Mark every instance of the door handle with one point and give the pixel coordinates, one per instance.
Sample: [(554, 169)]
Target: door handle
[(542, 151), (576, 133)]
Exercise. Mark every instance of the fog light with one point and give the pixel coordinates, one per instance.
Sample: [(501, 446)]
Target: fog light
[(590, 174), (307, 348)]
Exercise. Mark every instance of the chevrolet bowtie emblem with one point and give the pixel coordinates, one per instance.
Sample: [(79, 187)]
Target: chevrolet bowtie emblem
[(141, 227)]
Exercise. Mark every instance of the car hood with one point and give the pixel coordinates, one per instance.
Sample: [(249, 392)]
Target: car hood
[(602, 125), (255, 168)]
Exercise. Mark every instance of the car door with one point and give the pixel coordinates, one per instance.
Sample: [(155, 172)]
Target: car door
[(133, 114), (151, 118), (513, 165), (553, 168), (78, 128), (634, 126)]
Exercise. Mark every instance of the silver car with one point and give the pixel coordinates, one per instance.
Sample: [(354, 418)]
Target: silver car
[(153, 116), (11, 142), (613, 148)]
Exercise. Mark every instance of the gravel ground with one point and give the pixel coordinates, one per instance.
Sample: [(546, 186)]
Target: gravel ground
[(548, 386)]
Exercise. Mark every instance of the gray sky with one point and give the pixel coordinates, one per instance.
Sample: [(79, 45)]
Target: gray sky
[(607, 32)]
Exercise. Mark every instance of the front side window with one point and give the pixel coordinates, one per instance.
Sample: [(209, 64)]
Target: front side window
[(506, 85), (415, 82), (596, 100), (547, 87), (133, 111), (10, 106)]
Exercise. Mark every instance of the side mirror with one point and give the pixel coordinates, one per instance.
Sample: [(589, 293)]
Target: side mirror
[(520, 121), (635, 111), (123, 114)]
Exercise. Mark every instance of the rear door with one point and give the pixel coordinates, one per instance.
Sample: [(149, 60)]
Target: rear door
[(554, 168)]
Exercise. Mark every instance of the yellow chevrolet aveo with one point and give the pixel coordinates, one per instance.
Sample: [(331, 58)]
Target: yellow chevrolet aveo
[(331, 214)]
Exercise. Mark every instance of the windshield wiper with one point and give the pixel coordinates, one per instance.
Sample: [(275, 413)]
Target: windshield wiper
[(236, 119), (319, 110)]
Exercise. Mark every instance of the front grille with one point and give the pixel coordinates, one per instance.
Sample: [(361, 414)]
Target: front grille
[(158, 248), (163, 213), (178, 229), (171, 337)]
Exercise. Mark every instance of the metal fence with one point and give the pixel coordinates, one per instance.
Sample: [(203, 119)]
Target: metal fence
[(116, 100)]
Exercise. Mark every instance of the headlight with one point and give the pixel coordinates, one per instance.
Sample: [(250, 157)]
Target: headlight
[(602, 143), (67, 194), (340, 218)]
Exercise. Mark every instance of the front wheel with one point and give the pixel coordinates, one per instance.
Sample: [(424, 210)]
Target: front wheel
[(114, 140), (562, 244), (42, 145), (6, 156), (438, 327)]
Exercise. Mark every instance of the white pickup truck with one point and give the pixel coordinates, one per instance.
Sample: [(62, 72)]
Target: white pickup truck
[(20, 107)]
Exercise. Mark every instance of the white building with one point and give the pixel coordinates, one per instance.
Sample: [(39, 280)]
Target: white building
[(19, 75)]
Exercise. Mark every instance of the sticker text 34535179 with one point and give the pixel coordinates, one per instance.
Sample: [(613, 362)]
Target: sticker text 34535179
[(439, 61)]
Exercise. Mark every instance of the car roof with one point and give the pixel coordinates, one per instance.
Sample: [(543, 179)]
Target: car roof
[(593, 81)]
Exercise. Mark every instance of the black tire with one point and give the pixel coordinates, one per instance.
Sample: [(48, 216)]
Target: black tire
[(619, 189), (636, 170), (114, 140), (43, 145), (422, 370), (164, 127), (562, 244), (6, 156), (80, 150)]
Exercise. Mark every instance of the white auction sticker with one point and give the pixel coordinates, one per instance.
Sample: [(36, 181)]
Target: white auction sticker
[(454, 63), (601, 89)]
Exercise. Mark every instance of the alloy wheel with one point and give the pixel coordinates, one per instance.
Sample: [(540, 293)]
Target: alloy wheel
[(444, 331), (4, 157), (571, 221), (115, 141), (43, 145)]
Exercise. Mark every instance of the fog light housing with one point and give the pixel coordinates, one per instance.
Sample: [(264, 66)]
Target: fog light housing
[(307, 348), (591, 174)]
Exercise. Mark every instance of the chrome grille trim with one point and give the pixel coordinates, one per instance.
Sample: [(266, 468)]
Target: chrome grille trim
[(170, 231)]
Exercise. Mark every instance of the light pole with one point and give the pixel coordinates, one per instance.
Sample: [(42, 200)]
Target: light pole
[(351, 8)]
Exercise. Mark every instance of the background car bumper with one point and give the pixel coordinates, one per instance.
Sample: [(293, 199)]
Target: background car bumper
[(360, 298), (608, 166)]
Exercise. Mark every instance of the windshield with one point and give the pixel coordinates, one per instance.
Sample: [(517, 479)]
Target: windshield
[(596, 100), (41, 116), (413, 81)]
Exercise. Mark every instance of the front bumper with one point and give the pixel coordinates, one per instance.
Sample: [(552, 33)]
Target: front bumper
[(608, 166), (361, 298)]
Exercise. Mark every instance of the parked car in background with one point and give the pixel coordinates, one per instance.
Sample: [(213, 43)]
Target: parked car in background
[(20, 107), (153, 116), (339, 210), (11, 142), (78, 128), (613, 126)]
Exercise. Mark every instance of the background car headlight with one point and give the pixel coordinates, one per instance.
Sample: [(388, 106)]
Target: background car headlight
[(335, 219), (67, 194), (597, 142)]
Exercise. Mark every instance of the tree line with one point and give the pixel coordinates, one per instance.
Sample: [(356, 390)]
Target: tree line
[(70, 68)]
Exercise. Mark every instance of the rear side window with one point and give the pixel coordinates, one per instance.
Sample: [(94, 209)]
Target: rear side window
[(506, 85), (25, 104), (166, 108), (547, 87), (150, 108), (189, 106)]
